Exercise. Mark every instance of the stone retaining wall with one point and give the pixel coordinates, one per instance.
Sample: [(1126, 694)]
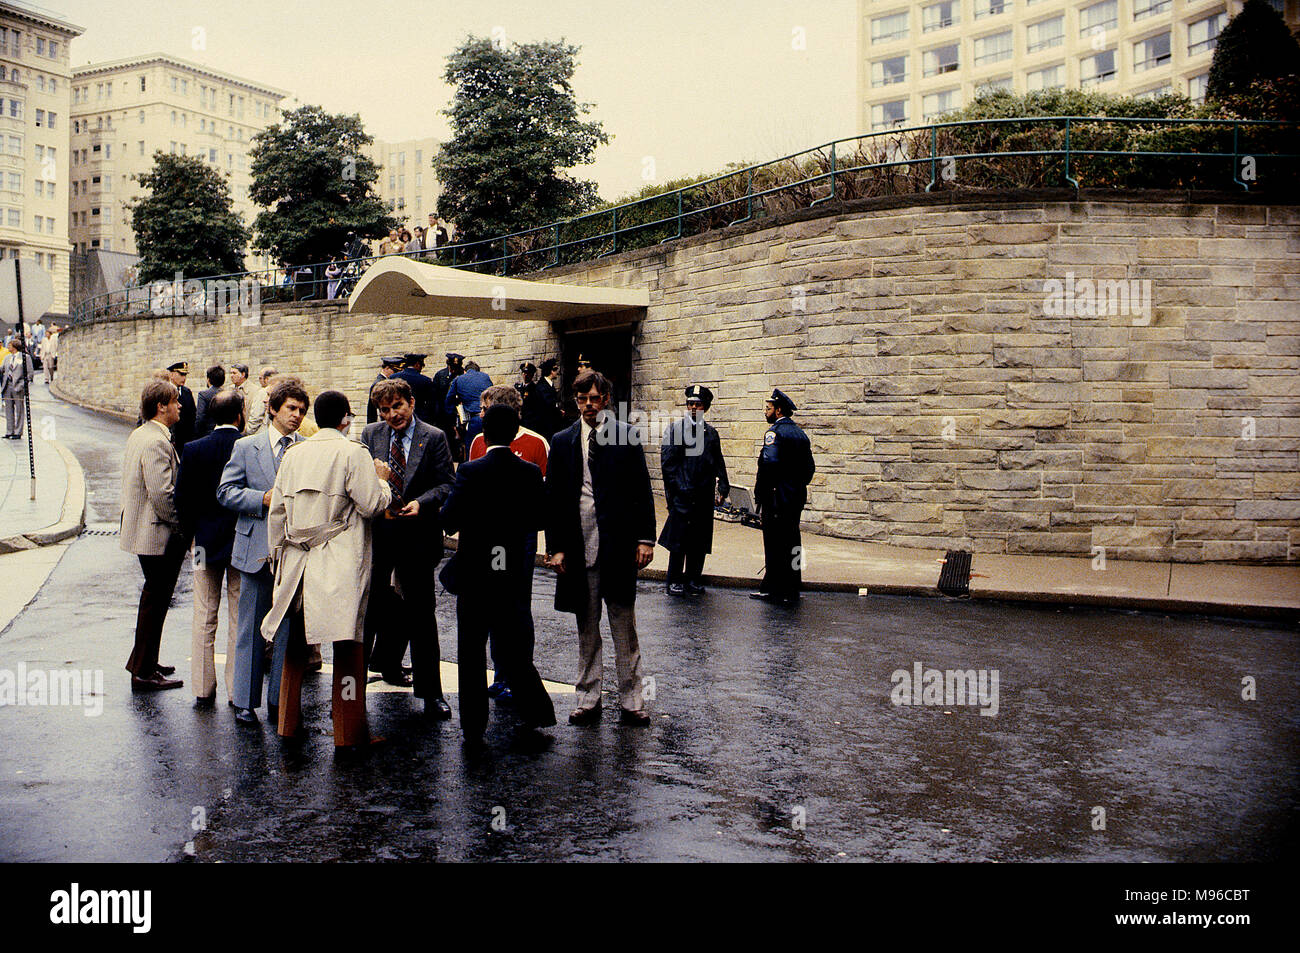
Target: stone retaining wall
[(953, 400)]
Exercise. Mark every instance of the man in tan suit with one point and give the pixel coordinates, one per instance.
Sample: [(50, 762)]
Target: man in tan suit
[(151, 528)]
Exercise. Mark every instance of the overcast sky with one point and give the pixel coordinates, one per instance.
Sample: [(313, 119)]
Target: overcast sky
[(692, 84)]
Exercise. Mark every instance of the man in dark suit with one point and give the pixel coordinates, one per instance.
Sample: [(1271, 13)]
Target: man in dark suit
[(407, 540), (203, 423), (600, 534), (542, 406), (421, 387), (497, 505), (183, 432), (212, 527)]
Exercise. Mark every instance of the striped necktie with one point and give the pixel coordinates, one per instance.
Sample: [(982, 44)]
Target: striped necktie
[(397, 463)]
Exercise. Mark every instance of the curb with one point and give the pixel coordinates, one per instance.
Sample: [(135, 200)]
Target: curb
[(72, 518), (63, 395)]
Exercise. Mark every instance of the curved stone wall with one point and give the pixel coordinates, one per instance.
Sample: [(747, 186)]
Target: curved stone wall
[(1014, 375)]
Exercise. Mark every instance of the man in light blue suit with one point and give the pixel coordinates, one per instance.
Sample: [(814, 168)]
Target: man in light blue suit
[(245, 488)]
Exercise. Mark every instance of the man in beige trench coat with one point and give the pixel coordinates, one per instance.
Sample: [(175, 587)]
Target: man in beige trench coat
[(326, 492)]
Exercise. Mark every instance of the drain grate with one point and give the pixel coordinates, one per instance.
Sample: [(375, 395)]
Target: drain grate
[(101, 529), (954, 580)]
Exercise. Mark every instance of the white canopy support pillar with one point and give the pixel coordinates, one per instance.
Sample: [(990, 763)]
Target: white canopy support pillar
[(399, 285)]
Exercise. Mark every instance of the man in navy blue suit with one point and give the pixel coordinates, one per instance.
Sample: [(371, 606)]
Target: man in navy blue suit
[(497, 504), (212, 527)]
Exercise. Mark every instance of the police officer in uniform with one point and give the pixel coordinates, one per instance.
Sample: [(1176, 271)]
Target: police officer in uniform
[(785, 468), (421, 386), (444, 421), (695, 479), (388, 367), (183, 432)]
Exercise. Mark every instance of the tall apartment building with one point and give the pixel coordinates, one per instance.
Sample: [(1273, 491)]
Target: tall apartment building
[(407, 185), (918, 60), (35, 101), (125, 110)]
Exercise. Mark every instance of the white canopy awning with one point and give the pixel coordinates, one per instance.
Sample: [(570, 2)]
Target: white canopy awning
[(399, 285)]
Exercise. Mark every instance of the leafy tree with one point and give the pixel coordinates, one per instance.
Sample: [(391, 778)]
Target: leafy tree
[(1255, 45), (313, 176), (1253, 74), (516, 127), (185, 222)]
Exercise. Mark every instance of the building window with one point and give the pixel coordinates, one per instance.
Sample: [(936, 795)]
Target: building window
[(1203, 35), (40, 46), (40, 117), (1155, 92), (212, 156), (1151, 52), (15, 146), (992, 49), (1045, 34), (53, 119), (1149, 8), (419, 181), (15, 109), (1099, 17), (419, 156), (140, 146), (997, 85), (15, 181), (892, 27), (942, 59), (888, 115), (936, 104), (1049, 77), (1097, 68), (890, 71), (940, 16), (989, 8), (1196, 87)]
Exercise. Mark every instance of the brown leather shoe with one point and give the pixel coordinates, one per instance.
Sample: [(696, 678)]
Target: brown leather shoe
[(638, 719), (156, 682), (584, 716)]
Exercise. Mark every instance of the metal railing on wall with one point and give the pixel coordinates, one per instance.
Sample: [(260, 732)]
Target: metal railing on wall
[(975, 155)]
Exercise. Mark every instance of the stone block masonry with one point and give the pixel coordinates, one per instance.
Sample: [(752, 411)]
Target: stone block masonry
[(947, 404)]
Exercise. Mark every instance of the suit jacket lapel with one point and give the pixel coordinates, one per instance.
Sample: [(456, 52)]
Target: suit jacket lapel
[(262, 449), (419, 440)]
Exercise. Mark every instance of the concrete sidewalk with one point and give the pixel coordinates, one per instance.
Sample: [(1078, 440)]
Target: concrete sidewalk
[(873, 569), (58, 511)]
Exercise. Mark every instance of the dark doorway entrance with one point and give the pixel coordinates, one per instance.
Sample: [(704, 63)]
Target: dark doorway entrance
[(609, 350)]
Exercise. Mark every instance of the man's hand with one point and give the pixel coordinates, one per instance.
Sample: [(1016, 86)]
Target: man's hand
[(410, 509), (644, 553), (266, 499), (556, 562), (383, 470)]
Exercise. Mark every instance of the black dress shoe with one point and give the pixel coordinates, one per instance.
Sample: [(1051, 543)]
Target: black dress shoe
[(400, 679), (313, 667), (584, 716), (157, 682), (167, 669), (694, 588), (764, 596), (438, 708), (206, 701), (676, 589), (638, 719), (246, 716)]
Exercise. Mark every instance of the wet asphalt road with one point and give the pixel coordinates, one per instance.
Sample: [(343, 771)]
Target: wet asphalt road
[(774, 738)]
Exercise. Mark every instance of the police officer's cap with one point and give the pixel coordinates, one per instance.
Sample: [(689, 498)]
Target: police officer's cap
[(182, 366), (413, 358), (391, 361), (783, 404), (701, 393), (453, 358)]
